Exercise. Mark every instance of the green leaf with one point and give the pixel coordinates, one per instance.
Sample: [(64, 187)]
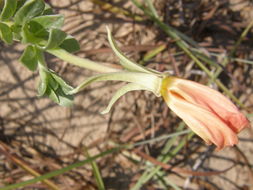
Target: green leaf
[(20, 3), (70, 44), (56, 37), (49, 21), (65, 87), (64, 99), (28, 35), (52, 95), (52, 83), (8, 9), (63, 90), (44, 79), (122, 91), (54, 87), (59, 97), (42, 87), (37, 30), (16, 29), (48, 10), (6, 33), (30, 58), (29, 10)]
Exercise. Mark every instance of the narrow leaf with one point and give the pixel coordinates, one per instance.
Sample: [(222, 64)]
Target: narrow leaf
[(62, 170), (8, 9), (96, 172), (152, 8), (122, 91)]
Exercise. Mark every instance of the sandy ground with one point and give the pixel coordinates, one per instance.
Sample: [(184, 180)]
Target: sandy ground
[(39, 127)]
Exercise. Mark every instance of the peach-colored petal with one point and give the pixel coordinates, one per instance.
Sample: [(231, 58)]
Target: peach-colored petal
[(204, 123), (210, 99), (207, 112), (215, 102)]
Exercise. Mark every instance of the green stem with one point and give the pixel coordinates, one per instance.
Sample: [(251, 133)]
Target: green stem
[(242, 36), (81, 62), (231, 54)]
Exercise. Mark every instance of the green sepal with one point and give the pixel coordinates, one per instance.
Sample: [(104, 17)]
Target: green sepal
[(6, 33), (124, 61), (29, 58), (70, 44), (8, 9), (122, 91), (29, 10), (150, 81)]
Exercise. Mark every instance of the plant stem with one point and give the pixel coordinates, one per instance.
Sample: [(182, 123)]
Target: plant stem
[(233, 51), (81, 62)]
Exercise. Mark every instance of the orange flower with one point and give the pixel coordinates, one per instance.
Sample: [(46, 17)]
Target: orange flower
[(207, 112)]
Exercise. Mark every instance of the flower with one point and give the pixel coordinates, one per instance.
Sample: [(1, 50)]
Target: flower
[(206, 111)]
